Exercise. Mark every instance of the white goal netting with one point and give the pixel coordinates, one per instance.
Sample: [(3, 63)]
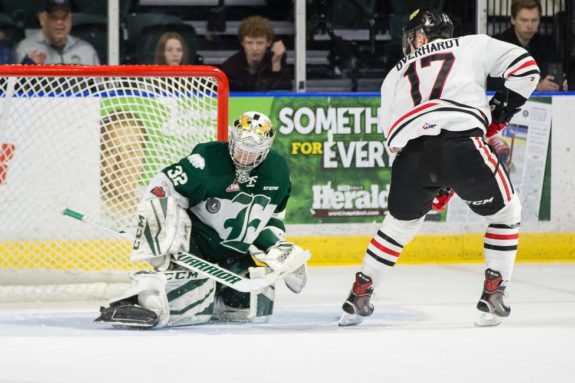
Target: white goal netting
[(90, 139)]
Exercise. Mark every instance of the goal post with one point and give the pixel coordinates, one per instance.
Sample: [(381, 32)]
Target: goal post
[(90, 138)]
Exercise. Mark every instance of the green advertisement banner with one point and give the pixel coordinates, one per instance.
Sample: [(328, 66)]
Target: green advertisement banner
[(336, 155)]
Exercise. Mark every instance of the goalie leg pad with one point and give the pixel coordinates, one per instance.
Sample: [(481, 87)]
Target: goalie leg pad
[(190, 297), (174, 298), (262, 302), (152, 295), (143, 305), (255, 307)]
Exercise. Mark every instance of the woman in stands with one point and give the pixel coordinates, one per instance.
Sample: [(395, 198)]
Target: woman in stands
[(172, 50)]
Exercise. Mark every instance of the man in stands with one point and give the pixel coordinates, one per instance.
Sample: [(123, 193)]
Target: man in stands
[(261, 63), (436, 117), (525, 20), (54, 44), (224, 203)]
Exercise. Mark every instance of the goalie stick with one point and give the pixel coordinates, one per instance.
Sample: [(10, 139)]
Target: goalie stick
[(199, 265)]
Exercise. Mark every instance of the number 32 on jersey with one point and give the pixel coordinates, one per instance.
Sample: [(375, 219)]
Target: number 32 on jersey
[(177, 175)]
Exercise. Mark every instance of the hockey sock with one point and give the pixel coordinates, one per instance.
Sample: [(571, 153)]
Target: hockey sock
[(386, 246)]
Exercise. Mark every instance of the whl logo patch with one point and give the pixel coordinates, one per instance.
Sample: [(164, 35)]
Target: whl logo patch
[(234, 187)]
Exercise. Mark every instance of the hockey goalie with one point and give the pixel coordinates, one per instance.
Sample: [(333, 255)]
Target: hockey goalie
[(224, 203)]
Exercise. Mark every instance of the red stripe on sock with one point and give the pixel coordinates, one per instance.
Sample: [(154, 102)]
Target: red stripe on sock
[(501, 236), (384, 249)]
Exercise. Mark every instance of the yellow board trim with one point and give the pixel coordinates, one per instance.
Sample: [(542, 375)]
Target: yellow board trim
[(81, 255), (461, 248), (113, 255)]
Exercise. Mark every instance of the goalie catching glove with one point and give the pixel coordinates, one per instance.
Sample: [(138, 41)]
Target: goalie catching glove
[(287, 259), (164, 228), (283, 257), (294, 276)]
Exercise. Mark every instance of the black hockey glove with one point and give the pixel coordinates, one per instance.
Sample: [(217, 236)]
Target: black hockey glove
[(504, 105)]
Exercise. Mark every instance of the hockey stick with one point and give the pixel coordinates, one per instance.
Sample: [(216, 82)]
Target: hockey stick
[(81, 217), (199, 265)]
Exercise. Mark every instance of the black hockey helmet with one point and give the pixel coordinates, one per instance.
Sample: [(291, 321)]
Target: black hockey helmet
[(434, 23)]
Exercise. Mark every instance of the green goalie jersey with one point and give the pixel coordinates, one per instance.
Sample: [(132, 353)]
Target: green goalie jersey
[(228, 217)]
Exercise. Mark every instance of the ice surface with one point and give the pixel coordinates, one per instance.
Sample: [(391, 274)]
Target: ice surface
[(422, 331)]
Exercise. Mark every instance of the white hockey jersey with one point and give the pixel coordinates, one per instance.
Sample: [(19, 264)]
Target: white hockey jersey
[(441, 86)]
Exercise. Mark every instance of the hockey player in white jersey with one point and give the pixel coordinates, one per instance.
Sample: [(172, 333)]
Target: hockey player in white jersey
[(436, 116)]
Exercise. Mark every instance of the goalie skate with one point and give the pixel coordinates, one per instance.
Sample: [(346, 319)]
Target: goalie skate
[(492, 308), (357, 305), (127, 315)]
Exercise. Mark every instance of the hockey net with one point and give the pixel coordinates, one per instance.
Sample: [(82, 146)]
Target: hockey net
[(90, 139)]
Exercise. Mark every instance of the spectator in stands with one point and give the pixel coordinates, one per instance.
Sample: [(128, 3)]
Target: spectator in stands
[(261, 63), (54, 44), (525, 19), (172, 49), (6, 55)]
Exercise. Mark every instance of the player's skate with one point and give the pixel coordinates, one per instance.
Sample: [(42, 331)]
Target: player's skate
[(491, 306), (357, 305)]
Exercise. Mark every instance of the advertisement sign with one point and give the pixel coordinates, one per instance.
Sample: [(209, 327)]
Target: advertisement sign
[(336, 154)]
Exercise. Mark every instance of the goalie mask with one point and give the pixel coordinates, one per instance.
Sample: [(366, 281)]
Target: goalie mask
[(250, 140), (432, 22)]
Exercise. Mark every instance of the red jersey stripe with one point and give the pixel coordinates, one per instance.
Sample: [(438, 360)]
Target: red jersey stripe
[(525, 64), (410, 113)]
